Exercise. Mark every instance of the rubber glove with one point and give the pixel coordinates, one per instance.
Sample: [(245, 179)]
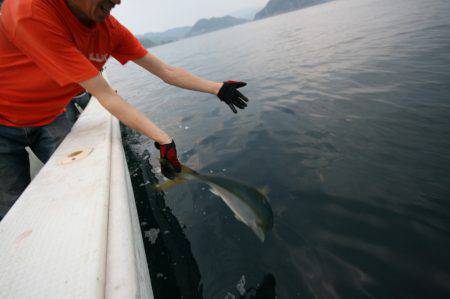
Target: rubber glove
[(170, 165), (229, 94)]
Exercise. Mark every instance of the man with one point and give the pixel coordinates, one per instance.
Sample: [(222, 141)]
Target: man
[(50, 51)]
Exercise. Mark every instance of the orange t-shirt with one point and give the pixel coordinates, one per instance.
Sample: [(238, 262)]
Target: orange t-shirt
[(45, 52)]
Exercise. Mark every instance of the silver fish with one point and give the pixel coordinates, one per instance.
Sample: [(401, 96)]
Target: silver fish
[(248, 204)]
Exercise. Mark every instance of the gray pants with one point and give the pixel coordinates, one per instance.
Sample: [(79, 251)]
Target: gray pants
[(81, 101), (14, 162)]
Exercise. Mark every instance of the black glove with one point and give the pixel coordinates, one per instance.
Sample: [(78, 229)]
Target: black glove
[(170, 165), (229, 94)]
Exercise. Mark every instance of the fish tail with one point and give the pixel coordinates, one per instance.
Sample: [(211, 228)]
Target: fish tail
[(186, 169), (169, 184)]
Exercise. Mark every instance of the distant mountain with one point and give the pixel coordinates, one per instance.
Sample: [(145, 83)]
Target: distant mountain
[(246, 13), (146, 42), (168, 35), (152, 39), (213, 24), (276, 7)]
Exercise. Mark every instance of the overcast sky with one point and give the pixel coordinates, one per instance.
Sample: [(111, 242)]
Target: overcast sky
[(141, 16)]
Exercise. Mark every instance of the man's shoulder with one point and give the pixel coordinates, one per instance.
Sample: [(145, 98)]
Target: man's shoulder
[(14, 11), (112, 22), (113, 26), (21, 9)]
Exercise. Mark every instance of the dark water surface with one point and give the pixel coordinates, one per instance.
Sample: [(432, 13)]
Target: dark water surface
[(349, 129)]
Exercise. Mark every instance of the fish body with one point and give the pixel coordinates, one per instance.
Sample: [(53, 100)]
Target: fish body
[(248, 204)]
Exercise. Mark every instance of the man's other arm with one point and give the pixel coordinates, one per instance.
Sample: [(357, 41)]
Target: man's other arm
[(177, 76)]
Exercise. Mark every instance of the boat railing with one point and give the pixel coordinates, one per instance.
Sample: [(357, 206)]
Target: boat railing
[(74, 232)]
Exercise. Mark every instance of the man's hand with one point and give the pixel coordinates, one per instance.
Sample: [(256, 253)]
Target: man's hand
[(231, 96), (170, 165)]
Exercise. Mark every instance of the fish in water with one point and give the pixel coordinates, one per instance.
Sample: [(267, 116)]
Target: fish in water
[(248, 204)]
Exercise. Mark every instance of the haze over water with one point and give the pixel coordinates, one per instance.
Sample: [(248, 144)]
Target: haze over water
[(348, 127)]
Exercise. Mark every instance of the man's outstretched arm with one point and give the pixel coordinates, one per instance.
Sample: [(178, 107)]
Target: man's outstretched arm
[(227, 91), (177, 76), (123, 110)]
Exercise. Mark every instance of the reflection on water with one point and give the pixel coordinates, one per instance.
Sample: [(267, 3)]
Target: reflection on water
[(264, 290), (348, 128)]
